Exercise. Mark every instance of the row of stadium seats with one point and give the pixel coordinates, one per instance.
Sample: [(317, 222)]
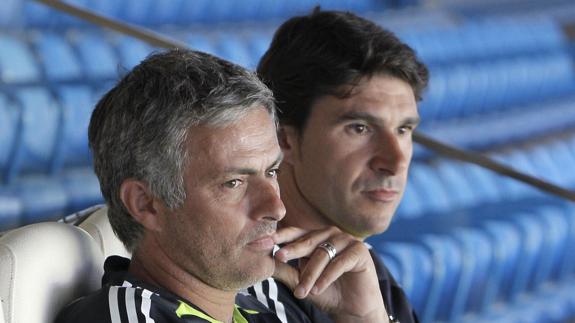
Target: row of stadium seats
[(44, 130), (441, 186), (435, 187), (44, 127), (179, 12), (503, 265), (514, 125), (456, 90), (484, 39), (39, 134), (468, 90), (37, 198)]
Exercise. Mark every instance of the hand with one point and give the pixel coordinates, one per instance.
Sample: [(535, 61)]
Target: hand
[(346, 287)]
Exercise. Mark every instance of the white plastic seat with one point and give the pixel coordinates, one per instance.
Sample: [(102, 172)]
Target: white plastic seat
[(43, 267), (98, 226)]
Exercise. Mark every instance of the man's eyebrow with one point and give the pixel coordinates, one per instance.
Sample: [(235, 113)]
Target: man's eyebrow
[(253, 171), (370, 118), (414, 121)]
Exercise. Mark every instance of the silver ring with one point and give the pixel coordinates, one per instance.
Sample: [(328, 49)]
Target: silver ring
[(329, 248)]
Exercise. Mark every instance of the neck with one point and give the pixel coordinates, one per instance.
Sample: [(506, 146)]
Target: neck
[(151, 264), (299, 211)]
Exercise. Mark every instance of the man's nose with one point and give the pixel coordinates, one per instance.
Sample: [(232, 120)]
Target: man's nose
[(268, 204), (390, 156)]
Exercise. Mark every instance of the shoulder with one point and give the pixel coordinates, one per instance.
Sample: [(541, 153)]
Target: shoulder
[(396, 302), (279, 299), (116, 304), (91, 308)]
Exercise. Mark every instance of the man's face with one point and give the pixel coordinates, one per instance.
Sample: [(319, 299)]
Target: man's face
[(222, 232), (351, 160)]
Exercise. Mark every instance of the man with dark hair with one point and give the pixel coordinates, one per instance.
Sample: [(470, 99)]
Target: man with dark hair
[(346, 90), (186, 152)]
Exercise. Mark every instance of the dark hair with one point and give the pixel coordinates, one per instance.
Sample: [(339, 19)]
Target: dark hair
[(315, 55), (139, 128)]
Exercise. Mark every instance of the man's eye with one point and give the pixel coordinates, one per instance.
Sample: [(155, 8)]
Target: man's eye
[(358, 128), (404, 129), (273, 172), (234, 183)]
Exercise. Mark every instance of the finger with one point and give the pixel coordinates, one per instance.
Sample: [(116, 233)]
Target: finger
[(305, 245), (353, 259), (310, 272), (288, 234), (316, 264), (287, 274)]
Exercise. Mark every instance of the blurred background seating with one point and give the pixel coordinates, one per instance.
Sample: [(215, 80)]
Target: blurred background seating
[(466, 244)]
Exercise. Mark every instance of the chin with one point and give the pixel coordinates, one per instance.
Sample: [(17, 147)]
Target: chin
[(373, 225)]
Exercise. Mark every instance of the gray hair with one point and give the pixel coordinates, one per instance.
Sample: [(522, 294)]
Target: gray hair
[(139, 128)]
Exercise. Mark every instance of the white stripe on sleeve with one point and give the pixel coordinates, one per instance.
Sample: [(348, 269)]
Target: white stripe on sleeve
[(113, 302), (131, 305), (146, 305), (260, 294), (280, 309)]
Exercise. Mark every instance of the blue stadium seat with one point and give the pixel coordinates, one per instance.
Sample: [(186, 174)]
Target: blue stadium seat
[(485, 183), (195, 12), (136, 11), (41, 122), (555, 226), (258, 42), (10, 13), (431, 107), (531, 248), (567, 268), (11, 209), (109, 8), (506, 242), (393, 266), (82, 189), (519, 161), (202, 43), (415, 265), (562, 158), (10, 123), (163, 12), (446, 256), (58, 58), (97, 56), (477, 258), (430, 189), (234, 48), (411, 205), (132, 52), (545, 165), (72, 144), (38, 15), (43, 198), (17, 64), (461, 190)]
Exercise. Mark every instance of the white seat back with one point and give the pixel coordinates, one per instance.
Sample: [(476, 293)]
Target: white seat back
[(98, 226), (43, 267)]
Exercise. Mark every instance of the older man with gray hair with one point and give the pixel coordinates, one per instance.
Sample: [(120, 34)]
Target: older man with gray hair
[(186, 153)]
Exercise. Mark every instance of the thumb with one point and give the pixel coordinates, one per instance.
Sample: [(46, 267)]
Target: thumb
[(286, 274)]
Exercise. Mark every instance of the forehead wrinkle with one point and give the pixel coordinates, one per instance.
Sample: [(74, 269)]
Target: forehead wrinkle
[(235, 148)]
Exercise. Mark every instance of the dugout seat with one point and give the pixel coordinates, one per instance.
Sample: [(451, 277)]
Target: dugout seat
[(98, 226), (43, 267)]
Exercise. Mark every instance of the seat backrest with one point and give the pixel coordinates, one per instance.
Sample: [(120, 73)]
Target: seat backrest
[(43, 267), (98, 226)]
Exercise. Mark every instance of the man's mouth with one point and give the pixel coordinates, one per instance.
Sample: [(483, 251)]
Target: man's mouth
[(382, 195)]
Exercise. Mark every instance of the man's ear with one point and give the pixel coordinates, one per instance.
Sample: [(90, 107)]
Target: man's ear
[(141, 204), (288, 138)]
